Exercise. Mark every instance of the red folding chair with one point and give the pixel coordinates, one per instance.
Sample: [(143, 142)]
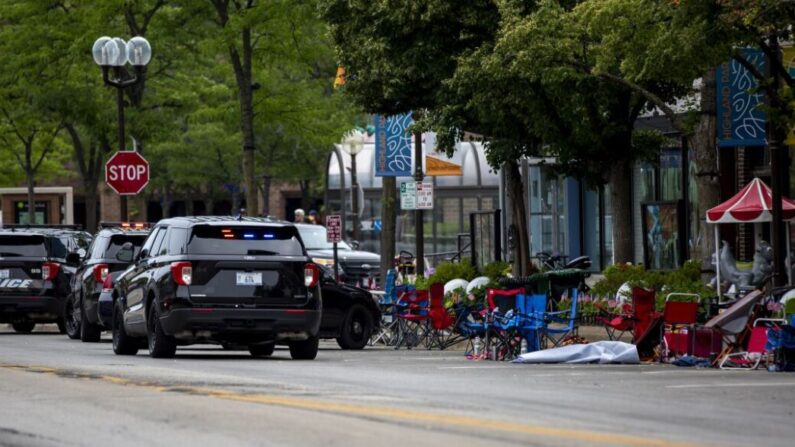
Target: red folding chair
[(440, 330), (678, 315), (755, 353), (634, 318)]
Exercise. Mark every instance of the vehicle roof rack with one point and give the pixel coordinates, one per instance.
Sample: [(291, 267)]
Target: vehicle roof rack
[(208, 219), (127, 225), (41, 227)]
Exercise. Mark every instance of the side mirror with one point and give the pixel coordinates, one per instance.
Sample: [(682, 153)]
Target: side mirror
[(355, 245), (73, 258), (126, 253)]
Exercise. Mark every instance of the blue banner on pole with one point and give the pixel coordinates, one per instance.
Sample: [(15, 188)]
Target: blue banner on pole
[(393, 146), (741, 119)]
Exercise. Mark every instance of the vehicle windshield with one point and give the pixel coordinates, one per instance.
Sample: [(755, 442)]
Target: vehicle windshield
[(314, 237), (242, 240), (32, 246), (117, 240)]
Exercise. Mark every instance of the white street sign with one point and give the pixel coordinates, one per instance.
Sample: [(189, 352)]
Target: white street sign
[(424, 196), (408, 196)]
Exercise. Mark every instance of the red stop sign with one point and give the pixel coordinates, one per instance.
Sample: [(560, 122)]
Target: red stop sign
[(127, 172)]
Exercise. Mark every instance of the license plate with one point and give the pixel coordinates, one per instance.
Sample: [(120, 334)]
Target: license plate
[(5, 274), (249, 279)]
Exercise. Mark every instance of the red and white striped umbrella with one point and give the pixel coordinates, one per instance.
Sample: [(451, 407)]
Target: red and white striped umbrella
[(754, 203)]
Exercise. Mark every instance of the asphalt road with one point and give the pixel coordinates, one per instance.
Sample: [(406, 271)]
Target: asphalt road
[(55, 391)]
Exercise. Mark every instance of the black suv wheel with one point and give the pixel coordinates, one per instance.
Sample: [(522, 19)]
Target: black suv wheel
[(356, 329), (262, 350), (89, 333), (123, 344), (23, 327), (72, 317), (305, 349), (161, 346)]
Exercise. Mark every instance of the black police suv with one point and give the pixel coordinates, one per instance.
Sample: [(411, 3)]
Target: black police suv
[(36, 267), (350, 314), (239, 281), (96, 273), (356, 267)]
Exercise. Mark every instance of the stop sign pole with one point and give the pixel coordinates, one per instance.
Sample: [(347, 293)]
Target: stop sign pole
[(114, 53)]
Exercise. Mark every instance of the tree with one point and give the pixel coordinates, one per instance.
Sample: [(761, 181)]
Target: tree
[(528, 95), (396, 56), (679, 42), (28, 129)]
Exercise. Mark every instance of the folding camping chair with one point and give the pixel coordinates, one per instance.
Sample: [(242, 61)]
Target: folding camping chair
[(413, 318), (387, 333), (756, 350), (470, 325), (532, 309), (732, 324), (676, 315), (440, 330), (635, 317), (503, 341), (561, 324)]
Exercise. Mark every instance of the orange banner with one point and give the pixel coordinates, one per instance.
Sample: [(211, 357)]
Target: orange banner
[(435, 166), (340, 79)]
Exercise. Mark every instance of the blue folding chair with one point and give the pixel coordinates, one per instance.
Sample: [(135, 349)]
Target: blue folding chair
[(561, 324), (532, 310), (470, 325), (503, 337), (389, 322)]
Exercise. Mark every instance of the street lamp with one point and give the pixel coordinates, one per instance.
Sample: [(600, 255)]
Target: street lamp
[(114, 52), (352, 145)]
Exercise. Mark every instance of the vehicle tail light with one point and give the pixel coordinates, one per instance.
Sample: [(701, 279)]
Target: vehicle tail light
[(101, 272), (311, 275), (49, 270), (107, 284), (182, 272)]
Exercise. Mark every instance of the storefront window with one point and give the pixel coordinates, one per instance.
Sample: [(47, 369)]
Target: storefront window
[(608, 226), (547, 215), (448, 224), (670, 175), (647, 174)]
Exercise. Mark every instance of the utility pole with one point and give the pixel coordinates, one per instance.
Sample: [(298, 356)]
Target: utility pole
[(778, 162), (418, 227)]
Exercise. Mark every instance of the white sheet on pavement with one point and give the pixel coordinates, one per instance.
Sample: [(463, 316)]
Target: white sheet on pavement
[(598, 352)]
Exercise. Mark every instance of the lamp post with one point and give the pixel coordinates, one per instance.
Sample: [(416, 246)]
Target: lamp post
[(352, 145), (115, 53)]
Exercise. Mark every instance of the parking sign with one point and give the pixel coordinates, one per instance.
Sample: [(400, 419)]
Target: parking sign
[(334, 228)]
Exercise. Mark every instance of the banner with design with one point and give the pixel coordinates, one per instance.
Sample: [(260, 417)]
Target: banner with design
[(741, 119), (393, 145), (789, 62)]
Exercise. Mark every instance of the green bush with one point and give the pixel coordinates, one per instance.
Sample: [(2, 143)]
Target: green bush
[(686, 279), (496, 270), (422, 283), (447, 271)]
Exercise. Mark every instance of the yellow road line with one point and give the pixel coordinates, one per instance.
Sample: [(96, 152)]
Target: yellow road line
[(385, 413)]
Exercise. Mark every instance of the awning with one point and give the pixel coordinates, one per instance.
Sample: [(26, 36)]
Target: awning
[(754, 203)]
